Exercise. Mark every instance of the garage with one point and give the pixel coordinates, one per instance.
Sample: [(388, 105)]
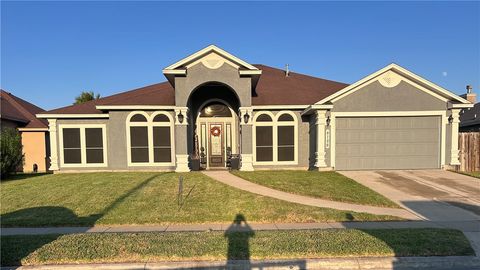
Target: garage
[(406, 142)]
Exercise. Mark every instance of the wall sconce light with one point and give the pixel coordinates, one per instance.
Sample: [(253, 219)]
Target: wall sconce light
[(450, 119), (180, 117), (328, 121), (246, 117)]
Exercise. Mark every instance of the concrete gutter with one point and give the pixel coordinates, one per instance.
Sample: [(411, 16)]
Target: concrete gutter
[(378, 263)]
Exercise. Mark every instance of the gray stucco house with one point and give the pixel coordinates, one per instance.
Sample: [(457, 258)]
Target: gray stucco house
[(214, 105)]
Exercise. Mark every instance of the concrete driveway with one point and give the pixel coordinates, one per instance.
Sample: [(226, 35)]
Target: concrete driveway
[(434, 195)]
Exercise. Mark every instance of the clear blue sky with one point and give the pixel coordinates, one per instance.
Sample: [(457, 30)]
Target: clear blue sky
[(51, 51)]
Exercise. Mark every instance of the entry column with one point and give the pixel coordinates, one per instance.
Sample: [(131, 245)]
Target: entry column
[(246, 138), (321, 122), (455, 120), (181, 140)]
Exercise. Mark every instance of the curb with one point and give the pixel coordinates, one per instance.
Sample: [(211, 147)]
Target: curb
[(467, 262)]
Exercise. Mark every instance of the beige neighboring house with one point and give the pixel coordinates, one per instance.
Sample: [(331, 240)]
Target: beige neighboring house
[(20, 114), (215, 109)]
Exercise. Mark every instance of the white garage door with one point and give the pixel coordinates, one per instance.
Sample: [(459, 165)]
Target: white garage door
[(364, 143)]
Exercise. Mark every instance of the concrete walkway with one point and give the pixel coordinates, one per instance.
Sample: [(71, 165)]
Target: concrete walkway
[(237, 182), (465, 226)]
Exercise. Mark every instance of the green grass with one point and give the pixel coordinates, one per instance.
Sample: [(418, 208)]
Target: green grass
[(472, 174), (145, 198), (325, 185), (142, 247)]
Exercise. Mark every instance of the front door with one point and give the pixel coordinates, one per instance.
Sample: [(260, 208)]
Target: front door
[(217, 153)]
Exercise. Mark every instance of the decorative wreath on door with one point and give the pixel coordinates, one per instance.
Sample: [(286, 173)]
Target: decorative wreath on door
[(215, 131)]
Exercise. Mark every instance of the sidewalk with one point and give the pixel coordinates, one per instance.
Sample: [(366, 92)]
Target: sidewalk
[(237, 182), (377, 263), (464, 226)]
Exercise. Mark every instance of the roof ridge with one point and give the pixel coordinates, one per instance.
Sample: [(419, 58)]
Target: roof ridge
[(301, 74)]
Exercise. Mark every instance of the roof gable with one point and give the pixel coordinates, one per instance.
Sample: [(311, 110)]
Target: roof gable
[(390, 76), (211, 56), (207, 54)]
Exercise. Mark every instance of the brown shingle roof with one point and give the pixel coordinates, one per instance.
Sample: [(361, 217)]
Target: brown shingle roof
[(18, 110), (155, 94), (470, 116), (273, 88)]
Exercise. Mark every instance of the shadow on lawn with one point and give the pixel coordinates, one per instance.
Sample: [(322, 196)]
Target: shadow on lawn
[(23, 176), (45, 216)]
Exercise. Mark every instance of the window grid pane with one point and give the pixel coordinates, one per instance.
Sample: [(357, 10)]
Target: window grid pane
[(94, 145), (72, 152), (286, 143), (264, 143)]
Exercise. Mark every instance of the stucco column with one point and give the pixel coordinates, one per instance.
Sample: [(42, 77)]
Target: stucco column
[(181, 140), (455, 120), (321, 122), (247, 139), (52, 129)]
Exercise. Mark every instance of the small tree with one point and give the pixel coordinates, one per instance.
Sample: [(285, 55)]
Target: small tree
[(86, 96), (11, 151)]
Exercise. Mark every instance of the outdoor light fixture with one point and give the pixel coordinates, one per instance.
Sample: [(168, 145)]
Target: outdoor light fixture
[(450, 119), (180, 117), (246, 117), (328, 121)]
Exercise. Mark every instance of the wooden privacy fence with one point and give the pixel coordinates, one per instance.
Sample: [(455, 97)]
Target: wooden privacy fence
[(469, 145)]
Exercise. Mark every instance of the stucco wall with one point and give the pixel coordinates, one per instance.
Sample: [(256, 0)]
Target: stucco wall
[(375, 97), (34, 149), (199, 75)]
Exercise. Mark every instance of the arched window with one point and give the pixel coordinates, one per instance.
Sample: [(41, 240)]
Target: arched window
[(275, 138), (149, 139)]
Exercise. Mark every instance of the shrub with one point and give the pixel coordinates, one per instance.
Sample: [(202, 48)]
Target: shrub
[(11, 151)]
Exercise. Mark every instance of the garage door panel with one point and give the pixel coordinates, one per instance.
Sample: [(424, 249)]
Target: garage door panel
[(387, 143)]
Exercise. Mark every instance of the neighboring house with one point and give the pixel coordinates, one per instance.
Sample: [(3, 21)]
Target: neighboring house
[(214, 104), (20, 114), (470, 117)]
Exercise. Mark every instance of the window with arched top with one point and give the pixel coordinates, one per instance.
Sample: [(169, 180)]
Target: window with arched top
[(149, 138), (275, 138)]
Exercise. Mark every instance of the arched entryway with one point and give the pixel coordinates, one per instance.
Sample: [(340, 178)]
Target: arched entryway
[(214, 127)]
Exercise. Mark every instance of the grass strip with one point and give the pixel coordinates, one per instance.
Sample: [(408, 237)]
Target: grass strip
[(175, 246)]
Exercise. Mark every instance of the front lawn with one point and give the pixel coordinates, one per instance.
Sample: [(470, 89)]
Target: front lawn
[(151, 247), (324, 185), (145, 198)]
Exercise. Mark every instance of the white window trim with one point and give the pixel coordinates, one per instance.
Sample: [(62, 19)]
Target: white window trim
[(83, 151), (150, 124), (275, 124)]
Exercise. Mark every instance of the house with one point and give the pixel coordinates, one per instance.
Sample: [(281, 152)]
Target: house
[(215, 105), (20, 114), (470, 117)]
